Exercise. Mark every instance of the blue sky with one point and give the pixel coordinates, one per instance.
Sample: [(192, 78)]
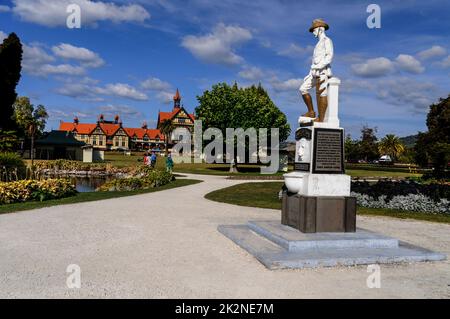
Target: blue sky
[(130, 56)]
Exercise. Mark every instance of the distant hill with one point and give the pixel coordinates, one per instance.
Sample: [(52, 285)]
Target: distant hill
[(409, 141)]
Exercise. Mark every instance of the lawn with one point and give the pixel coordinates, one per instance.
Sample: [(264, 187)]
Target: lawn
[(91, 196), (265, 195), (121, 160)]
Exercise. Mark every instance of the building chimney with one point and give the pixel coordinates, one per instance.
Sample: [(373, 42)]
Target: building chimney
[(76, 121), (144, 125), (116, 119)]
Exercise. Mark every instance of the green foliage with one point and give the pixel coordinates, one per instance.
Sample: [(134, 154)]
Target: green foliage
[(10, 162), (392, 146), (10, 68), (368, 146), (67, 165), (233, 107), (149, 178), (28, 117), (166, 128), (434, 146), (32, 190), (8, 140)]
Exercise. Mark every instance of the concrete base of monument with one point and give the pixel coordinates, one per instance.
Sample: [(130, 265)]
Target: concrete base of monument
[(277, 246), (319, 214)]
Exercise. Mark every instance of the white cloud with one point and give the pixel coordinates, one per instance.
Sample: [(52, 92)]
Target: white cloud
[(124, 111), (218, 46), (434, 51), (4, 8), (3, 36), (52, 13), (295, 51), (409, 64), (373, 67), (66, 69), (125, 91), (251, 73), (288, 85), (408, 93), (155, 84), (445, 62), (165, 97), (87, 89), (85, 56)]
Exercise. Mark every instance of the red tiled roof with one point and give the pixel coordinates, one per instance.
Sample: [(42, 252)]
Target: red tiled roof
[(140, 132), (79, 128), (170, 115), (110, 129)]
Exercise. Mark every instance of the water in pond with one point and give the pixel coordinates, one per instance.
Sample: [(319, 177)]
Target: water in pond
[(89, 184)]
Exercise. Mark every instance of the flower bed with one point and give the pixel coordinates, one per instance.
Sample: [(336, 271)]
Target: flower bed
[(403, 195), (31, 190), (145, 178)]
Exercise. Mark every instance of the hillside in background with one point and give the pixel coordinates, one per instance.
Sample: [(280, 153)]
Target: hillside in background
[(409, 141)]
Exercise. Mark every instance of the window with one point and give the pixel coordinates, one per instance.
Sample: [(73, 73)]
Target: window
[(94, 140), (123, 143)]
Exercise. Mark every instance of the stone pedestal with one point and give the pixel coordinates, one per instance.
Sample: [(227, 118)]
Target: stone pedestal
[(318, 197), (316, 214)]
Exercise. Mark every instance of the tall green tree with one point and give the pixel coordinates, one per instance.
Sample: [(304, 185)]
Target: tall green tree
[(434, 146), (392, 146), (368, 146), (31, 119), (229, 106), (10, 68), (166, 127), (351, 146)]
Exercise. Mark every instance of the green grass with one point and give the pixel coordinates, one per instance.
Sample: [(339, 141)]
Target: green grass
[(91, 196), (265, 195), (384, 174)]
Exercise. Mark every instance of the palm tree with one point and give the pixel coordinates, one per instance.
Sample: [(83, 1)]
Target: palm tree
[(392, 146), (31, 119), (166, 127)]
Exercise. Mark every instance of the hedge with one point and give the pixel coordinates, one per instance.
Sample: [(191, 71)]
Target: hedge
[(31, 190)]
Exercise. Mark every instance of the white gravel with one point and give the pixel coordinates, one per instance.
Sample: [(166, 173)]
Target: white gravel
[(166, 245)]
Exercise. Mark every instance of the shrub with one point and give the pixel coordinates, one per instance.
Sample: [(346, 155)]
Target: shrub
[(11, 162), (29, 190), (390, 189), (147, 178), (410, 202)]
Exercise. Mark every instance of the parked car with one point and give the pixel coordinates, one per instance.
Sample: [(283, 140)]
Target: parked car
[(385, 159)]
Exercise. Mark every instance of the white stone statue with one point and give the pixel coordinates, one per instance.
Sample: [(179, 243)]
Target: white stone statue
[(320, 71)]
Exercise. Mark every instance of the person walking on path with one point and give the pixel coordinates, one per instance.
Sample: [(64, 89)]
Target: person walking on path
[(153, 160), (169, 163)]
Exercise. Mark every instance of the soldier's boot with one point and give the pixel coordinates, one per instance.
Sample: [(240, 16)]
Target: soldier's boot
[(323, 105), (309, 104)]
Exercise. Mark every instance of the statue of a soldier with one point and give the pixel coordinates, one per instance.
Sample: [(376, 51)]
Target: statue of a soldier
[(320, 71)]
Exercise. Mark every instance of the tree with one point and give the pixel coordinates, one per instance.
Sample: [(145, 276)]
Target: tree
[(351, 146), (10, 68), (434, 146), (368, 145), (166, 128), (31, 119), (228, 106), (392, 146)]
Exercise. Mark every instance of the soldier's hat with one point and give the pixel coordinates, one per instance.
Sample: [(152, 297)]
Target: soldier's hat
[(318, 23)]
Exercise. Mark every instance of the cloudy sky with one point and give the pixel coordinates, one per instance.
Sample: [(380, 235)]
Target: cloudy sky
[(130, 56)]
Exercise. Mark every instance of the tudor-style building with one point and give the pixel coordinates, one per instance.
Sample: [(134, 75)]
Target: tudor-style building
[(179, 117), (107, 135), (111, 135)]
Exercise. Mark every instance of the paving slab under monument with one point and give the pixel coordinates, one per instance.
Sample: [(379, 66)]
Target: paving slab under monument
[(278, 246)]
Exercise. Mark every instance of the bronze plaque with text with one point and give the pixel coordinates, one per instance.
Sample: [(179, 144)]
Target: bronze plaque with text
[(328, 151)]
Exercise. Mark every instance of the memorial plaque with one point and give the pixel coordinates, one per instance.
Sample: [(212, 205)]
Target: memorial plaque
[(302, 167), (328, 151)]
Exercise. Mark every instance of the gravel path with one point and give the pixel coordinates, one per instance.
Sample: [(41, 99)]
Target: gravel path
[(165, 245)]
